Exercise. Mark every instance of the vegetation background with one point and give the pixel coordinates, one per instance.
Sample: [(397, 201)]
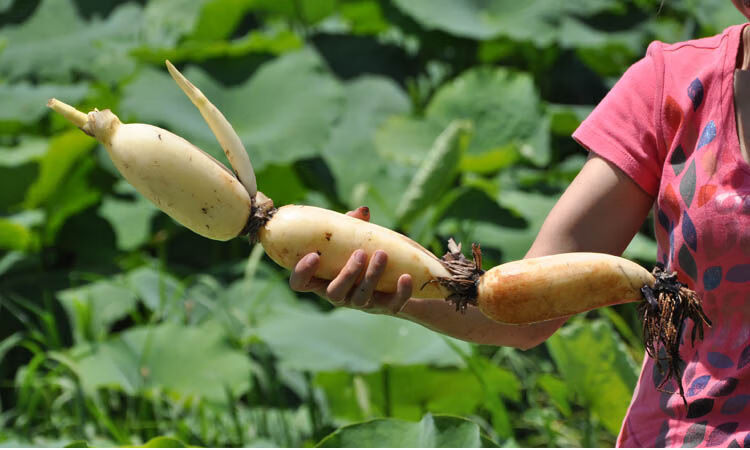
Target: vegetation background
[(117, 325)]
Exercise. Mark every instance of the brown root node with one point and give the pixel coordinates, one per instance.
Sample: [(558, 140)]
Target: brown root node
[(664, 309), (260, 213), (465, 274)]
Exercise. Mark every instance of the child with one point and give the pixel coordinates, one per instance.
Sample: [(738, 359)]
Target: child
[(673, 134)]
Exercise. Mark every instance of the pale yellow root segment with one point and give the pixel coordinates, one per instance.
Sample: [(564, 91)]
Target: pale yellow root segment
[(294, 231), (178, 177), (538, 289), (228, 139)]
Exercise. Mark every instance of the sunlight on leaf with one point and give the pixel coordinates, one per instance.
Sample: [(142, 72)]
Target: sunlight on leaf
[(188, 362), (98, 48), (431, 431)]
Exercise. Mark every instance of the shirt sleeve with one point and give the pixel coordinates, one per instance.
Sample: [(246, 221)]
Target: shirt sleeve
[(625, 127)]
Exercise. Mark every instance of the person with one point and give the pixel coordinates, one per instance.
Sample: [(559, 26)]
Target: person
[(673, 134)]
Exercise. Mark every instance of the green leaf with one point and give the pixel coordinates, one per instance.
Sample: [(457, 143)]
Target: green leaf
[(306, 12), (412, 391), (596, 365), (55, 43), (351, 340), (29, 150), (274, 40), (218, 18), (364, 16), (566, 118), (63, 153), (185, 362), (131, 220), (158, 290), (14, 236), (431, 431), (532, 20), (437, 171), (642, 248), (558, 392), (284, 113), (503, 106), (373, 181), (78, 444), (94, 307), (163, 442), (30, 101), (166, 21), (406, 140)]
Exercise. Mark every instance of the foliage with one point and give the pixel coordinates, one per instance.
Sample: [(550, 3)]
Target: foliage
[(448, 118)]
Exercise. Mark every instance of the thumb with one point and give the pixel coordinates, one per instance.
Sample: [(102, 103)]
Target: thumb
[(363, 213)]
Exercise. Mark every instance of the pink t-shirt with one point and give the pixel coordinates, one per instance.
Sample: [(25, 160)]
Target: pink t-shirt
[(669, 124)]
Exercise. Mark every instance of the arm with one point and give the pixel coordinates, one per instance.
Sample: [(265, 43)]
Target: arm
[(600, 211)]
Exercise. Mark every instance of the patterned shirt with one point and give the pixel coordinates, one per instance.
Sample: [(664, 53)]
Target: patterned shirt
[(669, 124)]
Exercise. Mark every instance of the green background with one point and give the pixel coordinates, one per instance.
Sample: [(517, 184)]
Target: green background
[(118, 326)]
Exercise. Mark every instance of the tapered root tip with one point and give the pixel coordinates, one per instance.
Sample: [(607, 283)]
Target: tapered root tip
[(228, 139), (75, 116)]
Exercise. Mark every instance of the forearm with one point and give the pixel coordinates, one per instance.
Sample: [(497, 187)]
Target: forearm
[(600, 212), (473, 326)]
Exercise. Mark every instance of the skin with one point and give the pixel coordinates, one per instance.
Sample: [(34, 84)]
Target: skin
[(601, 211)]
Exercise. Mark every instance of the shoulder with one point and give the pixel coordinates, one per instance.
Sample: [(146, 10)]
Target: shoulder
[(695, 52)]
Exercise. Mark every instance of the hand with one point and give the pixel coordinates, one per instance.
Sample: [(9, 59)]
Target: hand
[(344, 289)]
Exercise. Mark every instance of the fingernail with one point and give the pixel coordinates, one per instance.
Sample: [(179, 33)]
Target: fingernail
[(360, 256), (380, 255)]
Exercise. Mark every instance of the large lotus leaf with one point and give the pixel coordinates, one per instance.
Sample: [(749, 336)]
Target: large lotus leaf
[(218, 18), (351, 340), (413, 391), (26, 103), (94, 307), (166, 21), (131, 220), (503, 106), (159, 291), (431, 431), (186, 362), (406, 140), (532, 20), (249, 302), (505, 111), (274, 40), (282, 114), (305, 11), (362, 175), (55, 43), (596, 365)]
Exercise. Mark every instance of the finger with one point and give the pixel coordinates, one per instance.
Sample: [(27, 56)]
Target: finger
[(361, 293), (303, 272), (393, 303), (363, 213), (339, 288)]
